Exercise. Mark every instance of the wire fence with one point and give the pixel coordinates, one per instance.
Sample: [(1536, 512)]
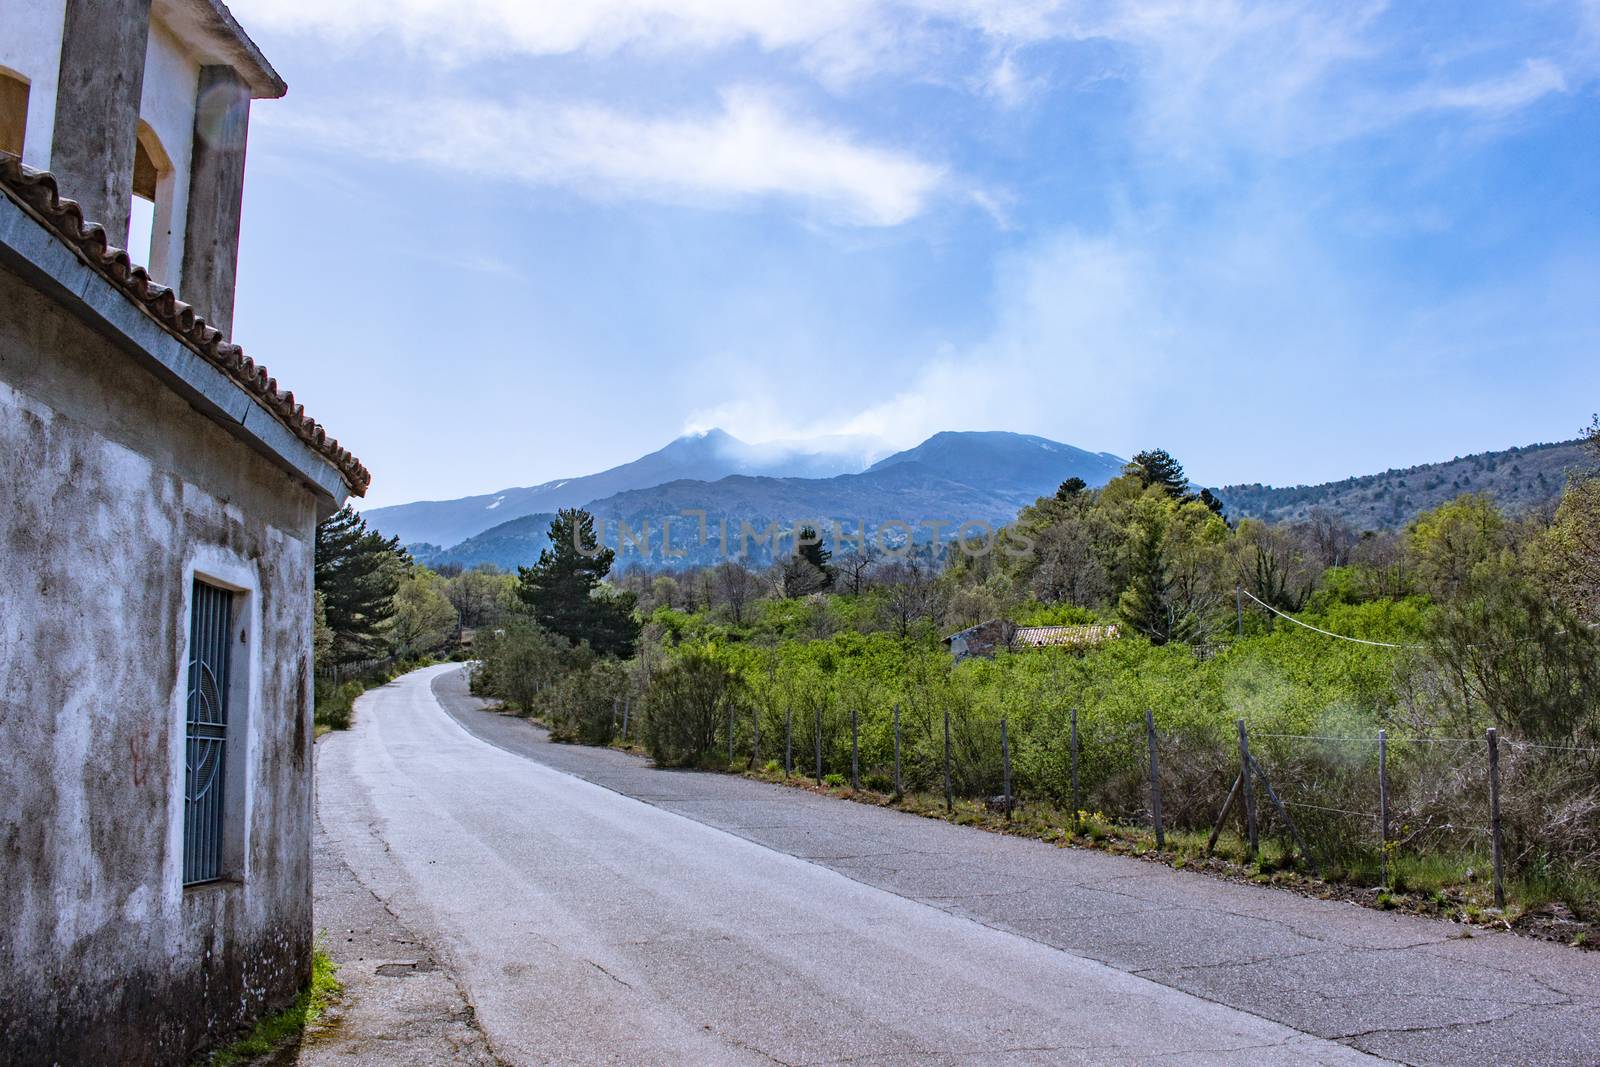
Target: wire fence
[(1356, 802)]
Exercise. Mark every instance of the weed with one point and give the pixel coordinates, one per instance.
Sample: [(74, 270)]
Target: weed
[(276, 1030)]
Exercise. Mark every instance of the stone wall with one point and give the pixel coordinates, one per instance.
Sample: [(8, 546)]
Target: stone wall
[(114, 493)]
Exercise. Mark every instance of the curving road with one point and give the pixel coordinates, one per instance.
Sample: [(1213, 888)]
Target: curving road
[(588, 926)]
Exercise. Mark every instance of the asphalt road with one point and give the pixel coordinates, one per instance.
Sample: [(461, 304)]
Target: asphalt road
[(595, 910)]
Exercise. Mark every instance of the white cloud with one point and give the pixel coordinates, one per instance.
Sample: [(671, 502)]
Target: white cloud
[(749, 148), (842, 32), (1510, 92)]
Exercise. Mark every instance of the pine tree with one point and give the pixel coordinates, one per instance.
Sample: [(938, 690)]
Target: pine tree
[(808, 570), (357, 573), (1157, 467), (565, 590), (1210, 500), (1145, 605), (1071, 489)]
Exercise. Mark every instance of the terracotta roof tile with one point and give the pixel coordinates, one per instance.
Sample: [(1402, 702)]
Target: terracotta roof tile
[(1044, 636), (37, 192)]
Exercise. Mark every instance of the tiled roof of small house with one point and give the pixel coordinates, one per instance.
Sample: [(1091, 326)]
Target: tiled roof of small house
[(1047, 636), (38, 194)]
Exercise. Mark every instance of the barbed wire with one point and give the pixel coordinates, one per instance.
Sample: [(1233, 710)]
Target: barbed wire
[(1554, 748), (1336, 811)]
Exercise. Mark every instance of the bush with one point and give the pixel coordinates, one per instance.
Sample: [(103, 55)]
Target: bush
[(335, 703), (583, 706), (687, 706), (517, 662)]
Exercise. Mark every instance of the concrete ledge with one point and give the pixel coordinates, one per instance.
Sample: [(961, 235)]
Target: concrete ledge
[(55, 270)]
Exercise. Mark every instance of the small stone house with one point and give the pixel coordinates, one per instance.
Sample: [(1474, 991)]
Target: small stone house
[(159, 495), (999, 635)]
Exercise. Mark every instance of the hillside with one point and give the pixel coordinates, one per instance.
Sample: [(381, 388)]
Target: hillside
[(1517, 479), (508, 546)]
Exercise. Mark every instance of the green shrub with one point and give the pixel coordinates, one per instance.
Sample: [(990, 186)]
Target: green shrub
[(688, 706), (584, 705)]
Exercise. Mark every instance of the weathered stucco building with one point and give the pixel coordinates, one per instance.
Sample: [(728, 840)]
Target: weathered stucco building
[(158, 502)]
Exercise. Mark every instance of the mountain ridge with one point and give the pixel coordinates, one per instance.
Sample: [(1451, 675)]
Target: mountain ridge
[(1515, 478), (953, 477)]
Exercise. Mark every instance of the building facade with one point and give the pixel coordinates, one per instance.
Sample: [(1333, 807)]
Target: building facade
[(159, 496)]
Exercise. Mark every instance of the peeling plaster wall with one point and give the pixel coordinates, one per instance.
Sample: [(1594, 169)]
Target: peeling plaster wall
[(112, 492)]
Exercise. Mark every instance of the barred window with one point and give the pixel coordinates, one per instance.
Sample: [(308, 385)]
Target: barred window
[(206, 733)]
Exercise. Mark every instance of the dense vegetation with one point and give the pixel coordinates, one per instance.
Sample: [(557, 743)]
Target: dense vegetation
[(1466, 619)]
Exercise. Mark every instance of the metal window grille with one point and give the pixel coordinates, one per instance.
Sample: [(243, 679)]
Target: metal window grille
[(206, 731)]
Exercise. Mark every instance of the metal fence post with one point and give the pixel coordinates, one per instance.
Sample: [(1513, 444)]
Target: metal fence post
[(1495, 843), (897, 791), (1077, 800), (1247, 791), (1155, 778), (949, 792), (1005, 763), (855, 749), (788, 739), (1383, 802)]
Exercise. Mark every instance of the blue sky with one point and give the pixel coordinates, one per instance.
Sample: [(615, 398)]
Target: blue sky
[(492, 242)]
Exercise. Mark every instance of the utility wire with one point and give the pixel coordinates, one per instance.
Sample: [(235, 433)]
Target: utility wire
[(1320, 630)]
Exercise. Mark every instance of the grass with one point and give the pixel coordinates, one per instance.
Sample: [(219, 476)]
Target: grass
[(275, 1031)]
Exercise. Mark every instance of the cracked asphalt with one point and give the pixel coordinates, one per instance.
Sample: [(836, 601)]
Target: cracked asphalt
[(596, 910)]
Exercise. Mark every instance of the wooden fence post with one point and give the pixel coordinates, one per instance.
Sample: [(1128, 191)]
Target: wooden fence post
[(1155, 778), (1247, 792), (897, 791), (755, 750), (616, 709), (1005, 763), (1383, 802), (1077, 800), (855, 749), (627, 705), (949, 792), (1222, 815), (788, 739), (730, 734), (819, 744), (1496, 845)]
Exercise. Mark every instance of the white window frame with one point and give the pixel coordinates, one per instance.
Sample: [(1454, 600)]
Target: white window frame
[(232, 572)]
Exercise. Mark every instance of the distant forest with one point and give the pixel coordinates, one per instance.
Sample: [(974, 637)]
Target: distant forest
[(1518, 479)]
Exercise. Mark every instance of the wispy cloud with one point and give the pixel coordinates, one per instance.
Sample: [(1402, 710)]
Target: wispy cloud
[(748, 148)]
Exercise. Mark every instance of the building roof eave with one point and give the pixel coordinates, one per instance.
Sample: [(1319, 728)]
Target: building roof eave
[(208, 27), (44, 239)]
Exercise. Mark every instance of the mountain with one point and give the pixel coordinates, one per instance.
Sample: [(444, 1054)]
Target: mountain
[(1517, 479), (508, 546), (951, 478), (707, 455), (1007, 462)]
